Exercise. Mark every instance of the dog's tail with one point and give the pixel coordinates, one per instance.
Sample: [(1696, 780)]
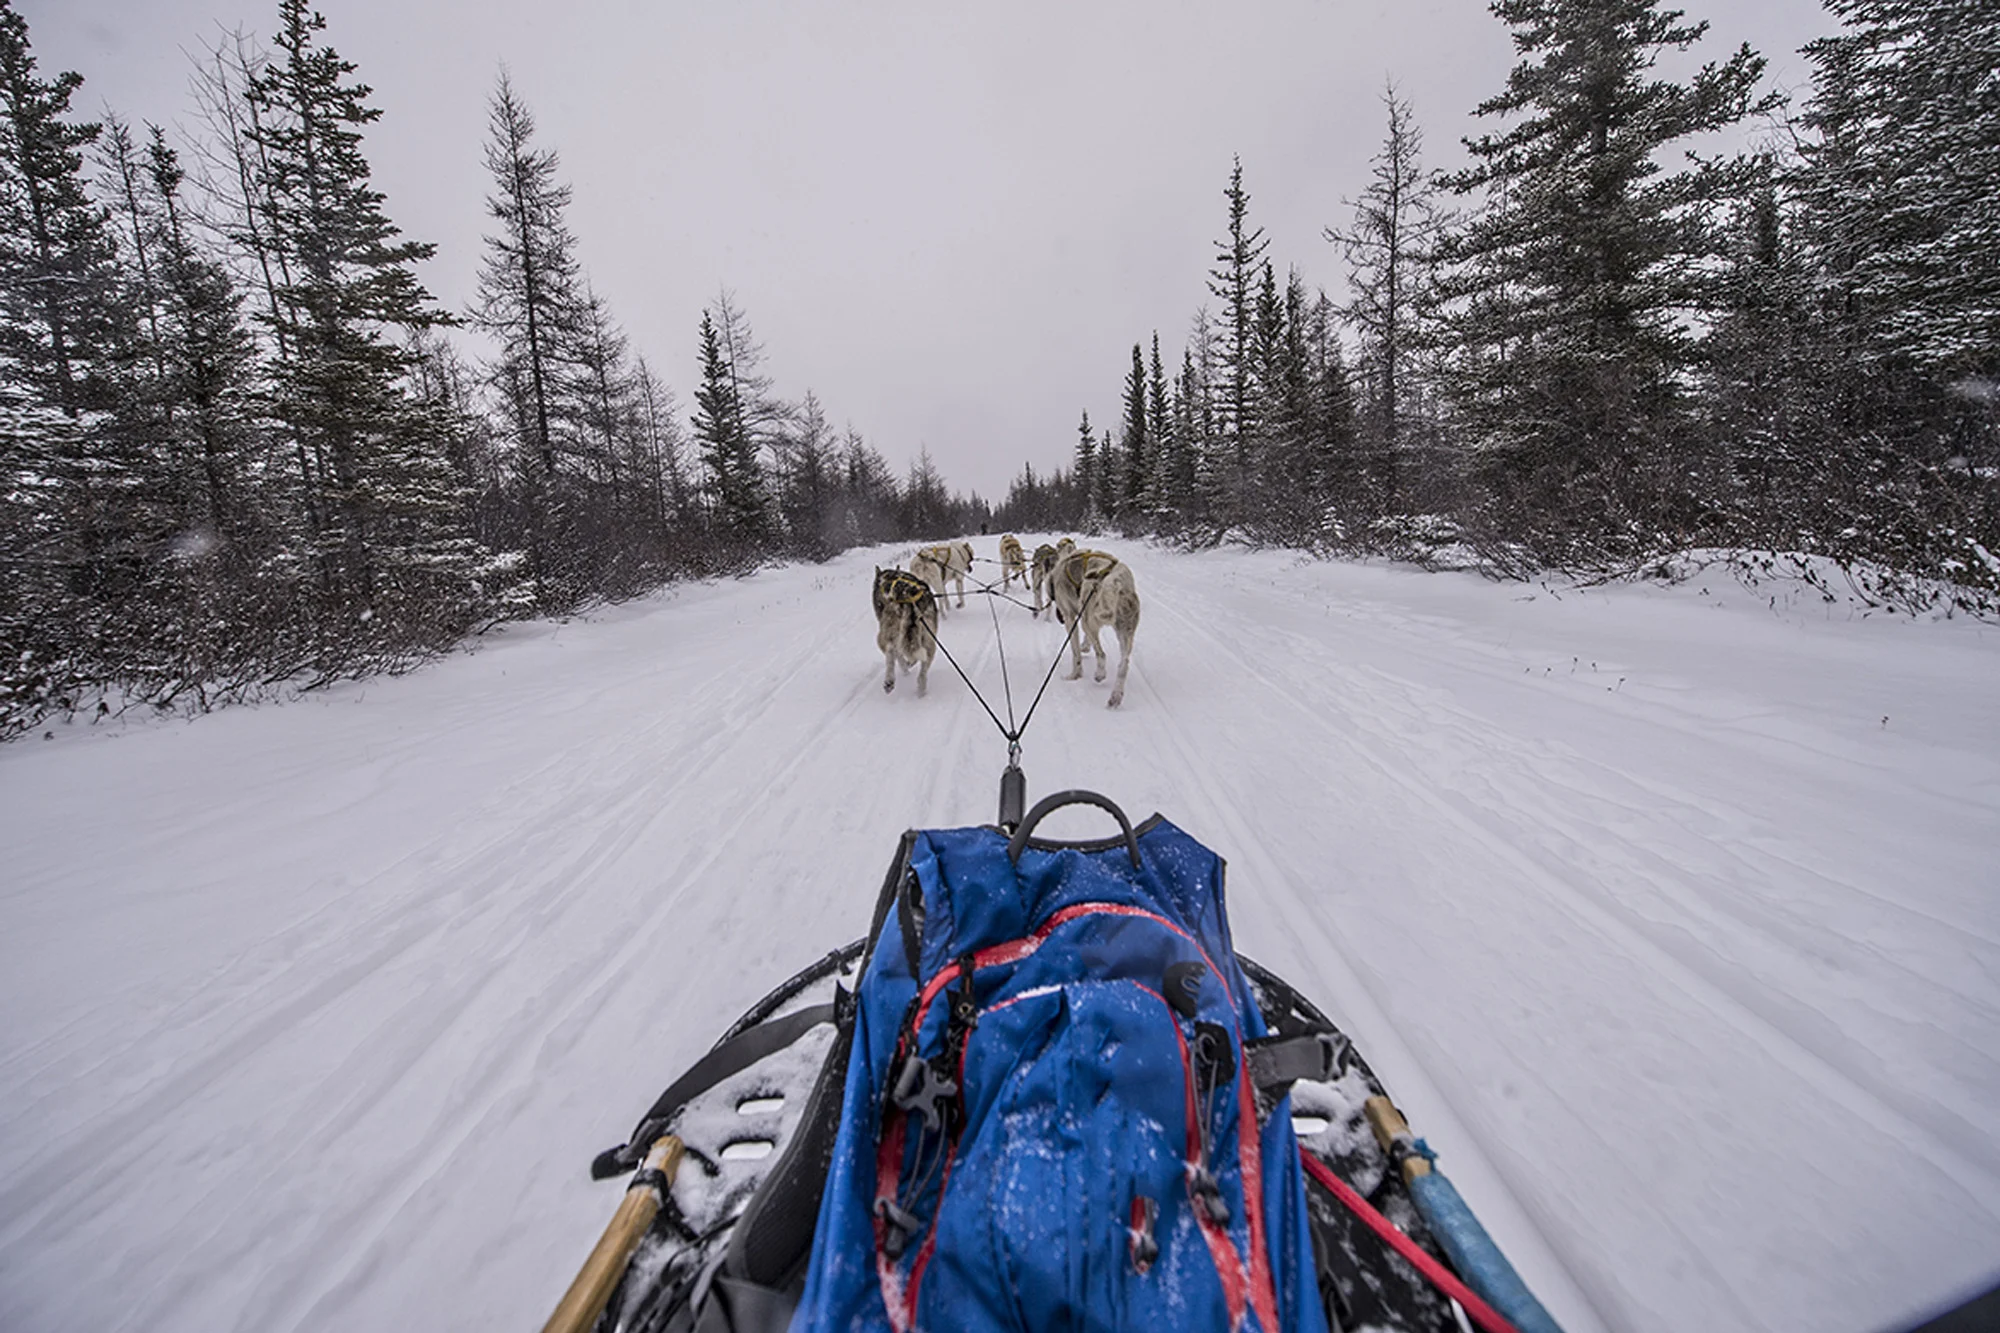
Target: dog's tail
[(914, 641)]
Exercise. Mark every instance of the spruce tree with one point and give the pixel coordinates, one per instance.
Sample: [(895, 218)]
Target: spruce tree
[(73, 474), (1233, 281), (1159, 427), (1389, 251), (738, 503), (1900, 181), (1136, 449), (58, 279), (1086, 470), (1898, 224), (390, 523), (208, 362), (1576, 282), (528, 296)]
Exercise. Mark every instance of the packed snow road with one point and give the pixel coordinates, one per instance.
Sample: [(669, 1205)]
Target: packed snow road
[(1669, 915)]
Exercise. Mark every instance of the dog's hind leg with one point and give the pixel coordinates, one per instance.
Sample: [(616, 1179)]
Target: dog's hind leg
[(1125, 635), (888, 672), (1075, 653), (1097, 647), (923, 677)]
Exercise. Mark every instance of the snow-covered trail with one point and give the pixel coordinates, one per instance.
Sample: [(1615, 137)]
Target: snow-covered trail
[(1686, 961)]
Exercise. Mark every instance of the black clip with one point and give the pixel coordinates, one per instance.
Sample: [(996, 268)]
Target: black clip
[(922, 1090)]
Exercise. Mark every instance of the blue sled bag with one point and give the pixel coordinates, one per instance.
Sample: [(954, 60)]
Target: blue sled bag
[(1052, 1116)]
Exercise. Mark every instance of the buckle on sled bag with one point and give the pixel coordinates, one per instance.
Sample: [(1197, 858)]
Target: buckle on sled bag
[(920, 1090)]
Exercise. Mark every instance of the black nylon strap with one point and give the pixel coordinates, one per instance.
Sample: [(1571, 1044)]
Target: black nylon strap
[(731, 1057), (1278, 1062)]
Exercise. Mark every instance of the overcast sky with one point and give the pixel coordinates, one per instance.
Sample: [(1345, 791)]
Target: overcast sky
[(951, 222)]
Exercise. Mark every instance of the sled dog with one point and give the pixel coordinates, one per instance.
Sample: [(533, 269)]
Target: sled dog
[(906, 622), (929, 565), (1012, 561), (938, 565), (1093, 590), (1042, 568)]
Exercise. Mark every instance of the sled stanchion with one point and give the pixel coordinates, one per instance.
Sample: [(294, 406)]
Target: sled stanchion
[(1457, 1229), (584, 1301)]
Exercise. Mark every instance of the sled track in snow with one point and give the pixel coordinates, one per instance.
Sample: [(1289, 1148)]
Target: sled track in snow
[(1614, 921)]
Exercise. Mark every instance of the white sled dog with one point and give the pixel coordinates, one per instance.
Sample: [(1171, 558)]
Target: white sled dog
[(906, 622), (929, 565), (1092, 590), (938, 565), (1013, 561)]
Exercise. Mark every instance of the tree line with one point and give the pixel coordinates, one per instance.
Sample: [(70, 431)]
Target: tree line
[(239, 449), (1603, 341)]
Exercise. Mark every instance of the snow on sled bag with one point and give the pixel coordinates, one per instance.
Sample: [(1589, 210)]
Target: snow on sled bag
[(1049, 1118), (1043, 1093)]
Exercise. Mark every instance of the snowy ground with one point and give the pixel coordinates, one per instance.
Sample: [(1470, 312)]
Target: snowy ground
[(1672, 918)]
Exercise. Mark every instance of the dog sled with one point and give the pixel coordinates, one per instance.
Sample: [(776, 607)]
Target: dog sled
[(1043, 1091)]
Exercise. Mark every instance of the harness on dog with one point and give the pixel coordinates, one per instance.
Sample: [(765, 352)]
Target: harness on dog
[(1084, 560), (904, 589)]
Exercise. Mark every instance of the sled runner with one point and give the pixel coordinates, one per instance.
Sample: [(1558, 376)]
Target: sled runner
[(1043, 1092)]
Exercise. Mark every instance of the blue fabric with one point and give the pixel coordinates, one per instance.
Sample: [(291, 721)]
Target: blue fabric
[(1075, 1093)]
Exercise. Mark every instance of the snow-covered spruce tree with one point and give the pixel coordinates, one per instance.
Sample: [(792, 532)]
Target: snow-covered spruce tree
[(390, 561), (927, 509), (1899, 184), (1110, 469), (1307, 475), (1389, 249), (738, 500), (1351, 489), (72, 474), (1233, 281), (869, 492), (207, 366), (1135, 449), (1159, 427), (1087, 468), (1577, 281), (1899, 222), (1759, 385)]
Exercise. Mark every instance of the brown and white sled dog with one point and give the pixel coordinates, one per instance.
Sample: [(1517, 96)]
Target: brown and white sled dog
[(938, 565), (1013, 561), (1093, 590), (906, 622)]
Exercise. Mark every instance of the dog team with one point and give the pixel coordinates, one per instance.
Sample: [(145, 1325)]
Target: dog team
[(1089, 591)]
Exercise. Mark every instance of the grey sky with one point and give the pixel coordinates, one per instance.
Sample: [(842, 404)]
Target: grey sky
[(949, 221)]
